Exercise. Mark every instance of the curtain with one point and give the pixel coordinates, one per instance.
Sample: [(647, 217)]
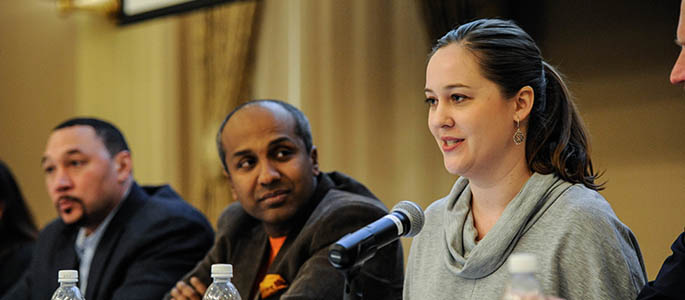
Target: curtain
[(216, 64), (441, 16)]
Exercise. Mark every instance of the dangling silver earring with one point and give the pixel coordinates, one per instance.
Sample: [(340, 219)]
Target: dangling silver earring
[(518, 135)]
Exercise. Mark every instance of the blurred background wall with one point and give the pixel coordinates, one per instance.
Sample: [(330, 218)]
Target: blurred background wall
[(356, 68)]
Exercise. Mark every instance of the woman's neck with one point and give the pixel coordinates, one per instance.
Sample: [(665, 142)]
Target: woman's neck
[(490, 196)]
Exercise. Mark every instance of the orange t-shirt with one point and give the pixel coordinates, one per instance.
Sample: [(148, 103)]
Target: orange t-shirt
[(276, 244), (267, 284)]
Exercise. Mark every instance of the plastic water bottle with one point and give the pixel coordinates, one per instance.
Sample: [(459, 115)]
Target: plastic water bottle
[(222, 288), (67, 289), (522, 282)]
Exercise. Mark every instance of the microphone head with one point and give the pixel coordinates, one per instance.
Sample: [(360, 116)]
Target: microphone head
[(414, 214)]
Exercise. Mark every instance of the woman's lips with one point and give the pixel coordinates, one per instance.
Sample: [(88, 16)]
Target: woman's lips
[(449, 143)]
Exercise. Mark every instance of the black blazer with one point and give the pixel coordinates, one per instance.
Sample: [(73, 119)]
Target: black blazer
[(15, 258), (670, 282), (153, 240)]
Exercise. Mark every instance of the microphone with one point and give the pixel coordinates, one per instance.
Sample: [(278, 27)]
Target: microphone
[(405, 219)]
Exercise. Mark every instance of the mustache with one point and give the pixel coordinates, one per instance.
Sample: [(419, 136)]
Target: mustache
[(68, 198), (83, 220)]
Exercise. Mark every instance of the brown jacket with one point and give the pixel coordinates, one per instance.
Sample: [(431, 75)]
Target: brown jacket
[(340, 205)]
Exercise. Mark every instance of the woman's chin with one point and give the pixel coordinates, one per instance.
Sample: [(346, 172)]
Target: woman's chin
[(453, 170)]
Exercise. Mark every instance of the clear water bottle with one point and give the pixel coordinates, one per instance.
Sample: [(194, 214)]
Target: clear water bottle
[(67, 289), (222, 288), (522, 282)]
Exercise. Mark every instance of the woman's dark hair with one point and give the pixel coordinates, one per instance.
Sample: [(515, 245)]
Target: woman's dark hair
[(557, 141), (16, 223)]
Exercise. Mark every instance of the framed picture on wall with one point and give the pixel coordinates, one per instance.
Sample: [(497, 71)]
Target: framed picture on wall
[(139, 10)]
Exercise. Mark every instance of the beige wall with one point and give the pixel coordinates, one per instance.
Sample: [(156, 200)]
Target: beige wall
[(129, 75), (55, 68), (37, 89)]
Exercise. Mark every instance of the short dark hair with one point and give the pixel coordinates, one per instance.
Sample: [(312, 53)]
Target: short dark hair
[(302, 128), (17, 222), (111, 136), (557, 141)]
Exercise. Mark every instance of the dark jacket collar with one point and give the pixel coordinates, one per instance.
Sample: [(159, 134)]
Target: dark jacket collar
[(131, 204)]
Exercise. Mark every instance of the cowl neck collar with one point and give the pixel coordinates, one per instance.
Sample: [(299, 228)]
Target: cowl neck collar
[(473, 260)]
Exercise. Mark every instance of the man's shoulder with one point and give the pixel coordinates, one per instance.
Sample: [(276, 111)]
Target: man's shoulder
[(234, 220), (161, 206), (55, 225), (344, 191), (339, 212), (163, 200), (679, 244), (341, 198), (233, 211), (54, 229), (339, 204), (163, 195)]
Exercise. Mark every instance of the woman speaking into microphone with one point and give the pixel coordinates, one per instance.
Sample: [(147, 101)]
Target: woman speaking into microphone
[(505, 123)]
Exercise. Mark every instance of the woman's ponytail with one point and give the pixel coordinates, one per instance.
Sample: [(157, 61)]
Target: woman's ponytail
[(557, 139)]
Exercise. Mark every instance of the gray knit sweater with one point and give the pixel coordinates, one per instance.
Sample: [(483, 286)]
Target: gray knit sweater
[(583, 249)]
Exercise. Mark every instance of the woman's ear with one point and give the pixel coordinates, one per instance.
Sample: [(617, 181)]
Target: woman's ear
[(524, 100)]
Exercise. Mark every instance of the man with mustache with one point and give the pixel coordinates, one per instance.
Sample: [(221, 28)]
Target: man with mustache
[(288, 214), (670, 282), (126, 241)]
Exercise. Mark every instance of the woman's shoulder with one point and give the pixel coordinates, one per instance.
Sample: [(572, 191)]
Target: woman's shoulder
[(584, 207), (581, 198)]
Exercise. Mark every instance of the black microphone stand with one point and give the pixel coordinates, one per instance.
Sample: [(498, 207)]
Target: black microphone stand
[(351, 252), (350, 265), (352, 289)]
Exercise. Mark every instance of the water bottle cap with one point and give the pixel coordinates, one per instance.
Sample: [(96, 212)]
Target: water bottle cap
[(222, 270), (67, 276), (522, 263)]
